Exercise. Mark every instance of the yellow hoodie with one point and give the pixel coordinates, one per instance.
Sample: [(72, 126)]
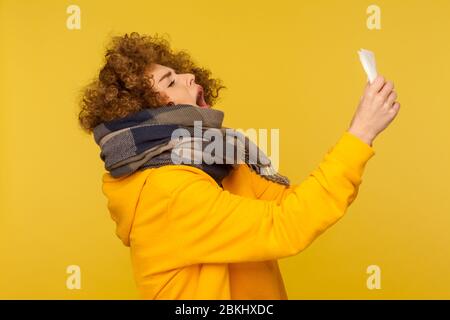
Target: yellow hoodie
[(191, 239)]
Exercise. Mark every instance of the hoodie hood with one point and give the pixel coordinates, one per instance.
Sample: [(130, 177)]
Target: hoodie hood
[(123, 196)]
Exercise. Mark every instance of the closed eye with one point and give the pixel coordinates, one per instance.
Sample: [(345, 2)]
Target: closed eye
[(172, 83)]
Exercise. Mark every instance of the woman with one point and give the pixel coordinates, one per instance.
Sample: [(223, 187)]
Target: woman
[(202, 230)]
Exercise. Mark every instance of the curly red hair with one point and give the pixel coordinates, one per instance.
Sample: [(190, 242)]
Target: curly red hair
[(122, 86)]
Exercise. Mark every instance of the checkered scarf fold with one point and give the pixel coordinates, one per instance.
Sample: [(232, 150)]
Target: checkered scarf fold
[(146, 139)]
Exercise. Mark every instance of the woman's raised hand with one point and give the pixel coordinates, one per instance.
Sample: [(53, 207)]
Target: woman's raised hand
[(376, 110)]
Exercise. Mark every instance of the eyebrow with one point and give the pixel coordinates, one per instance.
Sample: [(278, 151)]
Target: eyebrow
[(168, 73)]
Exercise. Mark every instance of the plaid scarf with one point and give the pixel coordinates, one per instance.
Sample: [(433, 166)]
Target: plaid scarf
[(146, 139)]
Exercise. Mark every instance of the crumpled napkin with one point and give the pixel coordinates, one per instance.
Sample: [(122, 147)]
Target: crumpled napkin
[(367, 59)]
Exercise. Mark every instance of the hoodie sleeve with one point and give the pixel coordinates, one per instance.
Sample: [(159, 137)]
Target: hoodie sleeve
[(206, 224), (267, 190), (256, 187)]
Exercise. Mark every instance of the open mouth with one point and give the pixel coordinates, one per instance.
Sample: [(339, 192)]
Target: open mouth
[(201, 99)]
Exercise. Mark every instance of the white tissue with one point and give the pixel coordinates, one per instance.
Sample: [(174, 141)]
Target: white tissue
[(367, 59)]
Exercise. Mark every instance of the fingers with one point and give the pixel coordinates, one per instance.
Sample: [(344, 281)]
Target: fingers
[(382, 91), (376, 85), (396, 107), (390, 99), (386, 90)]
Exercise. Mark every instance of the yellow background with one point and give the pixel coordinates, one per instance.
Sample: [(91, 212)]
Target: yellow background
[(291, 65)]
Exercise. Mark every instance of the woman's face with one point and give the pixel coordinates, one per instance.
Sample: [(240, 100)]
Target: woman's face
[(176, 88)]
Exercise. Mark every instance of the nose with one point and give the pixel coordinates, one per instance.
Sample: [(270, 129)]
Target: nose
[(190, 79)]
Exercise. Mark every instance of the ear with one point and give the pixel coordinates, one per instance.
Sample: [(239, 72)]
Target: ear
[(163, 99)]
